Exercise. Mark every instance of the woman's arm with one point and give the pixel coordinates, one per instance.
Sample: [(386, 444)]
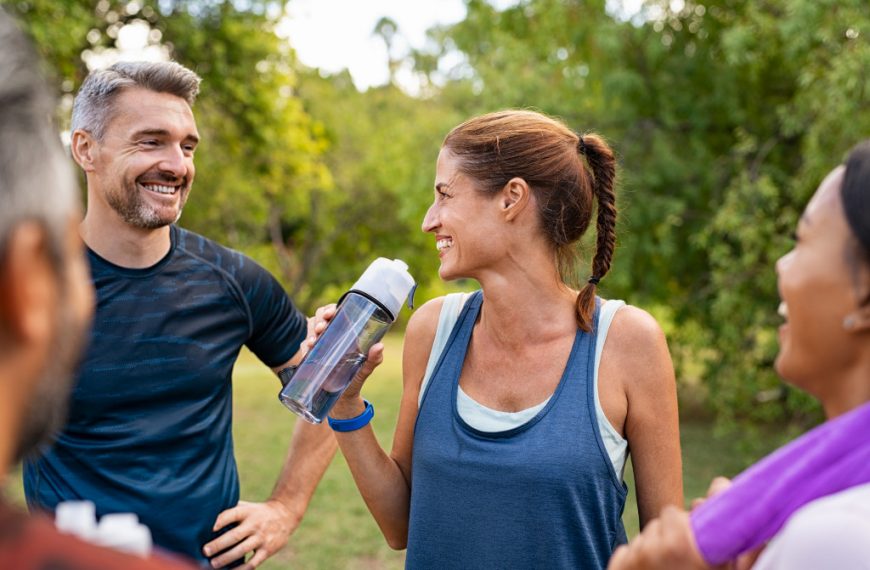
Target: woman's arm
[(636, 359), (384, 480)]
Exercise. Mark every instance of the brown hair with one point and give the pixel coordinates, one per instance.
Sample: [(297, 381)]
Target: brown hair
[(496, 147)]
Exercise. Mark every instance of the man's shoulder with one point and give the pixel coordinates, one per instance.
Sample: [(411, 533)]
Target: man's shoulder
[(208, 251)]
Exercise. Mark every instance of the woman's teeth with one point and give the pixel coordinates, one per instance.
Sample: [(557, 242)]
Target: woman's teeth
[(782, 310), (443, 244)]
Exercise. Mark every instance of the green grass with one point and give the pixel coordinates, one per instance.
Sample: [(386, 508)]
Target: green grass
[(337, 531)]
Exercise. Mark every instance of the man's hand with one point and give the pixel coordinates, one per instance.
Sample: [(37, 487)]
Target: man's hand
[(262, 528)]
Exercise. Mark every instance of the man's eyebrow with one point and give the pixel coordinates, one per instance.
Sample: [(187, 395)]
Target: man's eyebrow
[(151, 132), (162, 133)]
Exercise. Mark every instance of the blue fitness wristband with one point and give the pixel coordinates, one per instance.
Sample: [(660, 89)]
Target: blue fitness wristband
[(353, 424)]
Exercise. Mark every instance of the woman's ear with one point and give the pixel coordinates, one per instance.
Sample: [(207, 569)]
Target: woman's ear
[(858, 320), (515, 198)]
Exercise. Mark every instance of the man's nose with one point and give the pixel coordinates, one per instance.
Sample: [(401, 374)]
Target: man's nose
[(174, 161)]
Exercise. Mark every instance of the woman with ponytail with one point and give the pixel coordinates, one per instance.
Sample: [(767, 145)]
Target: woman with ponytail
[(517, 416)]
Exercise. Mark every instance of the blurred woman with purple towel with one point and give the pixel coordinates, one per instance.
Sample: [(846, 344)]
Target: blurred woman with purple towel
[(807, 505)]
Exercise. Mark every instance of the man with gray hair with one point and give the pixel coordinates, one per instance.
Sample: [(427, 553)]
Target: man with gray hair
[(150, 422), (46, 304)]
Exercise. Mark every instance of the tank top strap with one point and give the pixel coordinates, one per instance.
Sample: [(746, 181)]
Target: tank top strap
[(459, 338)]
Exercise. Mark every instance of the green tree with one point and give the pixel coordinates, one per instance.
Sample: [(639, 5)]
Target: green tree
[(726, 114)]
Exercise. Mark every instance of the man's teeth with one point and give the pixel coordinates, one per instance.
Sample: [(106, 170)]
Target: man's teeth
[(783, 310), (160, 189), (443, 243)]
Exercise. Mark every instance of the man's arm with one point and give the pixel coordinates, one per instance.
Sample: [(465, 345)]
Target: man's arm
[(264, 528)]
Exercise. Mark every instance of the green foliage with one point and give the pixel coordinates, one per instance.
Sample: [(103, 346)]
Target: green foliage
[(725, 115), (383, 149)]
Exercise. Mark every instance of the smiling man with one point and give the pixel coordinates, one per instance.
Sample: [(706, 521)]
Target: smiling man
[(150, 420)]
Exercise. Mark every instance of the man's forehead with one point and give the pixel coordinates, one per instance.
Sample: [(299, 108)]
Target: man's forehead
[(139, 109)]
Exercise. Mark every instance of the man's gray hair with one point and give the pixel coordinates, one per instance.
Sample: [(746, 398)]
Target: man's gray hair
[(36, 177), (94, 104)]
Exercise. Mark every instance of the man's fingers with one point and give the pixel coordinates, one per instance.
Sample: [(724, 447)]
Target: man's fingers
[(237, 552), (226, 540), (228, 516), (259, 557), (325, 313)]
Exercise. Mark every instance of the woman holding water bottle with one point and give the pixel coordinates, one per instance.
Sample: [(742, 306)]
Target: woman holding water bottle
[(520, 400)]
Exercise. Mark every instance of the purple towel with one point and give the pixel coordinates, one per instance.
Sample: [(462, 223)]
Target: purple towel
[(828, 459)]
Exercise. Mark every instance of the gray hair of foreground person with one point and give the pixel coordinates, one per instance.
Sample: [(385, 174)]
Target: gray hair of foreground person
[(94, 104), (36, 179)]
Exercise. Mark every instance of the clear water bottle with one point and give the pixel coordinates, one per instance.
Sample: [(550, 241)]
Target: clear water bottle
[(363, 317)]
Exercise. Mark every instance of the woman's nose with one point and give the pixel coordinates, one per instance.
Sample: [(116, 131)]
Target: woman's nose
[(430, 220)]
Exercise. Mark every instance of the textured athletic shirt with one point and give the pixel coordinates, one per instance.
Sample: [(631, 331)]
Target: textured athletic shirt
[(150, 425)]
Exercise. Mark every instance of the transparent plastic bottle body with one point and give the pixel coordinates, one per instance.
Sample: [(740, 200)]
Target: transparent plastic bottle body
[(339, 353)]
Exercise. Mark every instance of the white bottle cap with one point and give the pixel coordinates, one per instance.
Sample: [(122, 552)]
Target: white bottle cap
[(122, 531), (78, 518), (388, 281)]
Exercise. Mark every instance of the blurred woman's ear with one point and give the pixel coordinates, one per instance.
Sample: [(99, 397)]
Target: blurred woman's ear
[(858, 321)]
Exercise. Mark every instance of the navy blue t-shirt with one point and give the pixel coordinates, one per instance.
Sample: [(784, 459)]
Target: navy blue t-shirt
[(150, 424)]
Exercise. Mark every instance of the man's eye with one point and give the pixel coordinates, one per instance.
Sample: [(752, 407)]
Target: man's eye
[(150, 142)]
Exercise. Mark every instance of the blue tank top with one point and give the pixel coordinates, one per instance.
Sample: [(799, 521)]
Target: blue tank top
[(541, 495)]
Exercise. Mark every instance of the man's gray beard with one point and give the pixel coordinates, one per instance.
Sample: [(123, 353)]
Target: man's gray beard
[(47, 409), (135, 211)]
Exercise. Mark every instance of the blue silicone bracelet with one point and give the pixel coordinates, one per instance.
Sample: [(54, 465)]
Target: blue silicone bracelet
[(353, 424)]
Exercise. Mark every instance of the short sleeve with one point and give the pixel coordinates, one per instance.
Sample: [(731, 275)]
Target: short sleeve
[(277, 326), (833, 535)]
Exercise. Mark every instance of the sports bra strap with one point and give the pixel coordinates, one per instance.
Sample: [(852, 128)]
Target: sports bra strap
[(450, 312)]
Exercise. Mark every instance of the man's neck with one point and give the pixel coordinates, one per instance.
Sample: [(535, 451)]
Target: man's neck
[(10, 421), (123, 244)]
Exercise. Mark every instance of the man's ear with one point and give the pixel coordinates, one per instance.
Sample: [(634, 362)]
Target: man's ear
[(84, 149), (28, 286), (515, 198)]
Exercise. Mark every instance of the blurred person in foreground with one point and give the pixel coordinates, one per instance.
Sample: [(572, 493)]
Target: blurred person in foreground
[(521, 400), (807, 505), (46, 304), (150, 424)]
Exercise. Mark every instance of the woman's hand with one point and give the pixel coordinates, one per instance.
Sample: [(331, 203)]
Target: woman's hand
[(373, 360), (718, 485), (666, 543)]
